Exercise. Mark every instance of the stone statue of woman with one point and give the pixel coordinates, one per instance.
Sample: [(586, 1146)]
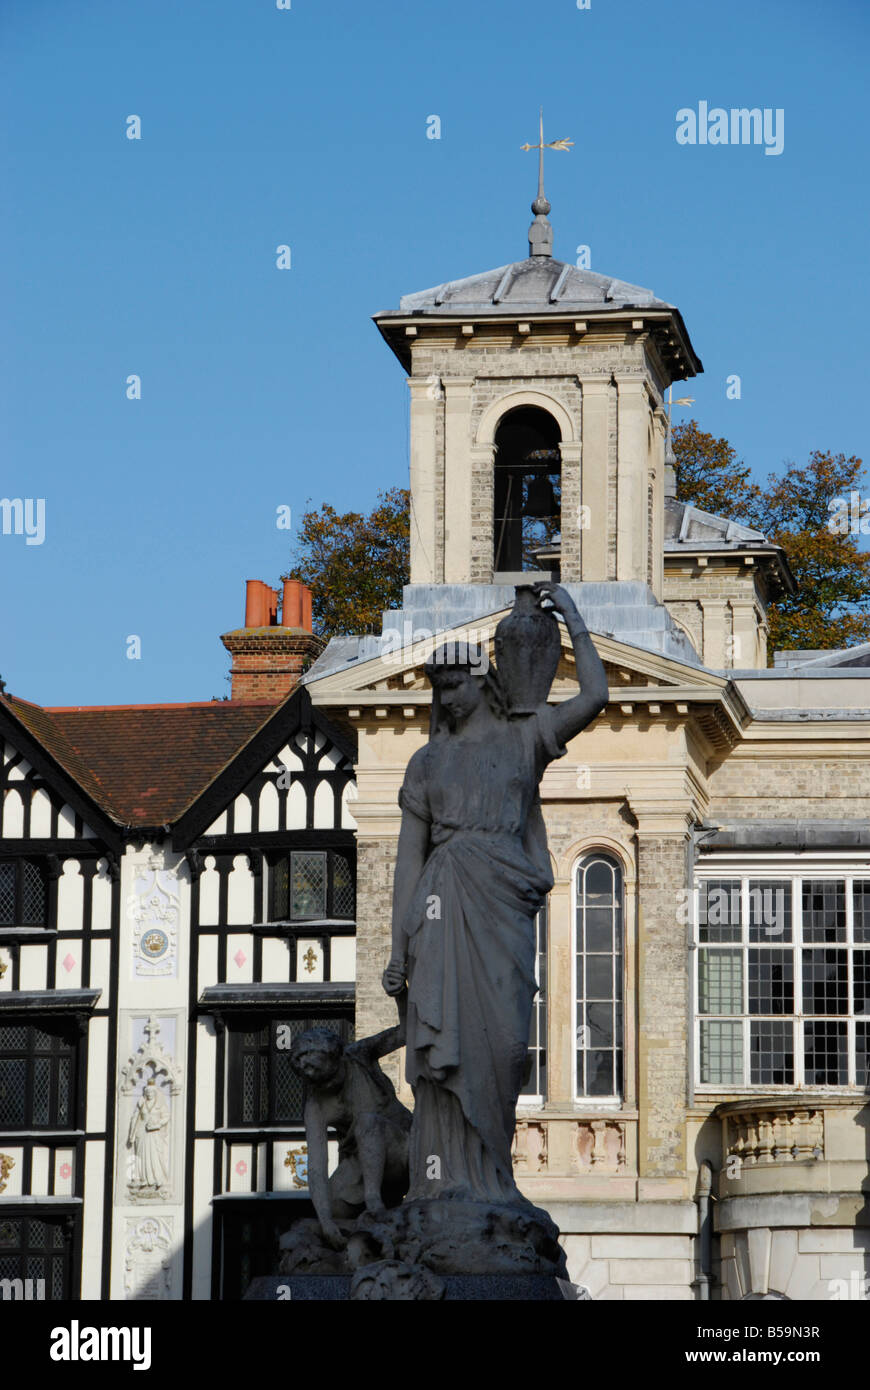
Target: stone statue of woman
[(472, 872), (148, 1138)]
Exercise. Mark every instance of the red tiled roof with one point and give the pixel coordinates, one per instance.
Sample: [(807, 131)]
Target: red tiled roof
[(143, 764)]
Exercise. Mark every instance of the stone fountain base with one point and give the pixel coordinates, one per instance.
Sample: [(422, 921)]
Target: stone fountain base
[(445, 1247)]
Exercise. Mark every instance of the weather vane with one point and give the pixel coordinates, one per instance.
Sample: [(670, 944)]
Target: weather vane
[(540, 232), (551, 145)]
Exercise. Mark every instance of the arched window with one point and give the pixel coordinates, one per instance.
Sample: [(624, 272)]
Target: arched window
[(599, 956), (528, 492)]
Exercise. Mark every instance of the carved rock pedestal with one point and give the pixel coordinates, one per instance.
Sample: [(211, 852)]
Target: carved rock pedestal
[(430, 1249)]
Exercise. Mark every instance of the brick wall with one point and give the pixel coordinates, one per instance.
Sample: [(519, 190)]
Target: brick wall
[(820, 788), (267, 662), (375, 1010)]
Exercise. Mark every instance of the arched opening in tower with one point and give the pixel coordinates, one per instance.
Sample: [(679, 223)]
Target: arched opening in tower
[(528, 492)]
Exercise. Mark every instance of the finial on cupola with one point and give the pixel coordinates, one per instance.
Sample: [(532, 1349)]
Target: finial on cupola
[(541, 232)]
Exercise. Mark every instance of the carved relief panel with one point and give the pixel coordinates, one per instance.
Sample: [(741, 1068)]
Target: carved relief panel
[(148, 1259), (150, 1114), (153, 910)]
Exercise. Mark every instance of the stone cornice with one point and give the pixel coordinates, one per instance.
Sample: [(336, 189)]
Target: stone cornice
[(786, 739), (659, 330), (631, 781)]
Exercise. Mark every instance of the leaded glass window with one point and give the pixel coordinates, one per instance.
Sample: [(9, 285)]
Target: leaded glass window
[(783, 980), (343, 904), (263, 1088), (37, 1075), (312, 885), (307, 886), (721, 1050), (599, 976), (37, 1248), (23, 893)]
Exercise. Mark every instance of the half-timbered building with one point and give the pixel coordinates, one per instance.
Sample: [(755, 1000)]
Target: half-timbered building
[(177, 901)]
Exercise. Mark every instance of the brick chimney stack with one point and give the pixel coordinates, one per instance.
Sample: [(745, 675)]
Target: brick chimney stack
[(268, 656)]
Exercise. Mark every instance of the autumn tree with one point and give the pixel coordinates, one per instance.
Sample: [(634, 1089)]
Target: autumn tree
[(710, 475), (808, 512), (797, 510), (355, 565)]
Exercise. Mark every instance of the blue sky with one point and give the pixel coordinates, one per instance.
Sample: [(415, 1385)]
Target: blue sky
[(307, 127)]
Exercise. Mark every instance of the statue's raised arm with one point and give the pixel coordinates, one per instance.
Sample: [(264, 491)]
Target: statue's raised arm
[(572, 716)]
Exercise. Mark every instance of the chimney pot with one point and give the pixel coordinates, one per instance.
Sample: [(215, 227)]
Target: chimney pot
[(267, 665), (291, 615), (255, 607)]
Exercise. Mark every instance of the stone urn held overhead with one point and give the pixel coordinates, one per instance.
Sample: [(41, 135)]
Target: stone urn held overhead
[(527, 651)]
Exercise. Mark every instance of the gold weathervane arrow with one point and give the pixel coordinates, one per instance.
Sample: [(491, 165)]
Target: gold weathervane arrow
[(540, 232), (550, 145)]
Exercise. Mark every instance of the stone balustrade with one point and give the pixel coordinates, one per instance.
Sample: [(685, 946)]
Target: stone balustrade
[(815, 1143), (560, 1155), (586, 1144), (773, 1133)]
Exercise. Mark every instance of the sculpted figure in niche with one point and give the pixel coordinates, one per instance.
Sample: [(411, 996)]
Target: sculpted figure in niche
[(472, 872), (148, 1137), (347, 1091)]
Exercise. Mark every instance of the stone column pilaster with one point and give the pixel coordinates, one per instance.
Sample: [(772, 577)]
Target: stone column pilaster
[(379, 820), (657, 478), (716, 653), (631, 487), (424, 405), (594, 477), (457, 480), (573, 535), (482, 526), (745, 645), (560, 993), (662, 999)]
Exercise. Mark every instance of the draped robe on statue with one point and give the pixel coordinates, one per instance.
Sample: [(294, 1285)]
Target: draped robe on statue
[(471, 951)]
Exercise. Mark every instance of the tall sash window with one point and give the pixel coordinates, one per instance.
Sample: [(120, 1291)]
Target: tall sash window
[(598, 979)]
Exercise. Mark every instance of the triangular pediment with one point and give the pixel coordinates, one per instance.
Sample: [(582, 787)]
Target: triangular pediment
[(399, 671)]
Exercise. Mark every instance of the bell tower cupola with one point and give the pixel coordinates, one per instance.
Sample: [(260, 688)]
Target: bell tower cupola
[(538, 424)]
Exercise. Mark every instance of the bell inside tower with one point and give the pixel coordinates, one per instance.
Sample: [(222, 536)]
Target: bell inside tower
[(527, 497)]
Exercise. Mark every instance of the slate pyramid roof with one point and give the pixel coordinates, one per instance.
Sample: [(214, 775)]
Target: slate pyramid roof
[(535, 285), (539, 288)]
